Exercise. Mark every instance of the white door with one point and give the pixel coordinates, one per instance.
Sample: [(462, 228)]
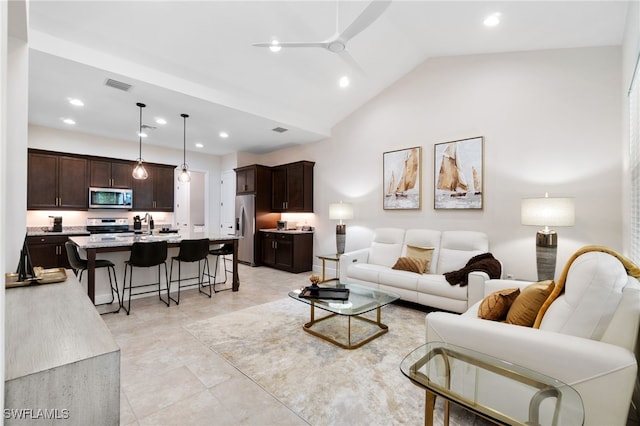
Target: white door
[(227, 202)]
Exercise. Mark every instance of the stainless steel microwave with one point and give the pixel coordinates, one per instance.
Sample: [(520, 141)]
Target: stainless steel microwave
[(110, 198)]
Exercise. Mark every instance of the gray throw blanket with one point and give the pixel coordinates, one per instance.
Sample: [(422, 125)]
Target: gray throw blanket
[(483, 262)]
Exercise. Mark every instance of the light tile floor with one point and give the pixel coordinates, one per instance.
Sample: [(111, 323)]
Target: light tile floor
[(169, 378)]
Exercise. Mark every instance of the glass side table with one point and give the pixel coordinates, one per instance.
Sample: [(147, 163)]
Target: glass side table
[(335, 257), (492, 388)]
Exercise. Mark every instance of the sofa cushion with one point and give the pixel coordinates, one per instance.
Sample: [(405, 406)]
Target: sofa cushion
[(399, 279), (423, 253), (495, 306), (525, 308), (424, 238), (437, 285), (365, 272), (411, 264), (386, 247), (452, 260)]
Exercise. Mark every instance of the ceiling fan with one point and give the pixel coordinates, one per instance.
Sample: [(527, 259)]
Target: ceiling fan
[(338, 42)]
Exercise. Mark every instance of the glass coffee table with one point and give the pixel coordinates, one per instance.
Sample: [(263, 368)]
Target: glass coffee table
[(361, 300), (491, 388)]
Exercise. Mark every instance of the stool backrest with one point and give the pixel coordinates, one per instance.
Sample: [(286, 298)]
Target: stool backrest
[(193, 250), (74, 257), (148, 254)]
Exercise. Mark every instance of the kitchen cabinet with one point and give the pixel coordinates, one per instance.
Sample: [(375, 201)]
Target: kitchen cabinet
[(292, 252), (105, 173), (254, 179), (154, 193), (292, 187), (48, 251), (56, 181)]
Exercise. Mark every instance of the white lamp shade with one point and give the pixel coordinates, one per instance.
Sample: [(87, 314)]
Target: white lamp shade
[(548, 211), (340, 211)]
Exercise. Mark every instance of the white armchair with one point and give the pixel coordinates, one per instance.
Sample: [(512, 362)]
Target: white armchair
[(587, 337)]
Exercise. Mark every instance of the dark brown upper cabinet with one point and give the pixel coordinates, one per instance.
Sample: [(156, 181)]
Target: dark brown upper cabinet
[(56, 181), (110, 174), (292, 187)]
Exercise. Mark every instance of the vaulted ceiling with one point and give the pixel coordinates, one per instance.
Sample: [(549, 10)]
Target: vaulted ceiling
[(197, 58)]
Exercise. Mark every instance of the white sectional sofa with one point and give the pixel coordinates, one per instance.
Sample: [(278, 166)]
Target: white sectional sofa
[(372, 266)]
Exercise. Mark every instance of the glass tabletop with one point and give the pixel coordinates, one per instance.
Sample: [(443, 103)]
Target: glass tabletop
[(491, 387), (361, 299)]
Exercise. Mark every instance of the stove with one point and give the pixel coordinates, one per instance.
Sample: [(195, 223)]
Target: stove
[(107, 225)]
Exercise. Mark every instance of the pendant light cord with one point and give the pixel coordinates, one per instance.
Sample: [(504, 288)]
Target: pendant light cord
[(184, 140)]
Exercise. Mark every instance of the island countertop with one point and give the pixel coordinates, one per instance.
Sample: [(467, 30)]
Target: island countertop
[(97, 241)]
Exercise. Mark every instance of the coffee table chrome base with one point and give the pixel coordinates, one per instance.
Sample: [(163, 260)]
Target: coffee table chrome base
[(383, 329)]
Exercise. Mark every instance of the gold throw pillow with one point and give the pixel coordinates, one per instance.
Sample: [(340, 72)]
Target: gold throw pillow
[(424, 253), (525, 308), (495, 306), (410, 264)]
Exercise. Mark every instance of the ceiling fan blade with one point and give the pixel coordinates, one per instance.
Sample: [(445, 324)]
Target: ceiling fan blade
[(346, 56), (294, 44), (366, 18)]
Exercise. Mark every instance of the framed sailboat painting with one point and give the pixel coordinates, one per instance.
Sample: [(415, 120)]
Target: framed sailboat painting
[(459, 171), (402, 179)]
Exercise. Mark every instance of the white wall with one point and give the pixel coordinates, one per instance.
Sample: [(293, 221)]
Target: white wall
[(80, 143), (551, 122), (630, 54)]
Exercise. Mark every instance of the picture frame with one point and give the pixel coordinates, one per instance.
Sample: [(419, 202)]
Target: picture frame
[(402, 179), (458, 169)]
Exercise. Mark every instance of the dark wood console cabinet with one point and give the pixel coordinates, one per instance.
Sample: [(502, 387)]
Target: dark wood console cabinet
[(292, 252)]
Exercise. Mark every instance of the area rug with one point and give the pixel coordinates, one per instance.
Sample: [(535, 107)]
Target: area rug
[(322, 383)]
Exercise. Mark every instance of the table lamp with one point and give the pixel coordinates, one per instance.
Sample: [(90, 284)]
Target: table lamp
[(547, 212), (340, 211)]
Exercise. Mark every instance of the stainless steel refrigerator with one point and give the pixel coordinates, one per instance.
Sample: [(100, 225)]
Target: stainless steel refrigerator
[(246, 228)]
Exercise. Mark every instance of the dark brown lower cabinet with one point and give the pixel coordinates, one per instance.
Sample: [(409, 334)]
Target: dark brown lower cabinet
[(292, 252), (48, 251)]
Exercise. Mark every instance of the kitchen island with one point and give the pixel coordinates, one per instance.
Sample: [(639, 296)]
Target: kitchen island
[(104, 243)]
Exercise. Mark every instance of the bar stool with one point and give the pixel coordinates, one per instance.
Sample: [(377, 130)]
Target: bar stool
[(191, 251), (146, 255), (79, 264), (225, 250)]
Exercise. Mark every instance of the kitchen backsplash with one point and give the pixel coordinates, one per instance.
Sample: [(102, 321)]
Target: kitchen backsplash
[(40, 218)]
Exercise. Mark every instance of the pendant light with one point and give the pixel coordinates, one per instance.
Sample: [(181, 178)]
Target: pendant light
[(139, 172), (184, 175)]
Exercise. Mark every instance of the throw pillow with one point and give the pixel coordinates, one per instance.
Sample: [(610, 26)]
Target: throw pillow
[(410, 264), (495, 306), (525, 308), (424, 253)]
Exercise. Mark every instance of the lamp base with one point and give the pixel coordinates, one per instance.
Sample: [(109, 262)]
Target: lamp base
[(546, 252), (341, 238)]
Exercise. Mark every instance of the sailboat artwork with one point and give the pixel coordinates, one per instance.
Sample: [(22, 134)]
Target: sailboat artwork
[(401, 170), (458, 174)]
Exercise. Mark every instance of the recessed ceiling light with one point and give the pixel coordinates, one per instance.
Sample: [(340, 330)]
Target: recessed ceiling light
[(199, 145), (68, 121), (142, 134), (223, 135), (161, 120), (492, 20), (344, 82), (275, 46), (75, 101)]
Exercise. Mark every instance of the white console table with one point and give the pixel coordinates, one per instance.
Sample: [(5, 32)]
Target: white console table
[(61, 361)]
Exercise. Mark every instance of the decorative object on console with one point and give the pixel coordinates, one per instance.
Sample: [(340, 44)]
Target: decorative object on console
[(340, 211), (315, 279), (402, 179), (184, 175), (459, 170), (547, 212), (139, 172)]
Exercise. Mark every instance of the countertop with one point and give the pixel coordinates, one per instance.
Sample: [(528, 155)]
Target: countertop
[(286, 231), (125, 240), (42, 231)]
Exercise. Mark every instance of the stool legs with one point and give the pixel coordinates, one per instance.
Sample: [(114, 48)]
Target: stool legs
[(200, 278), (112, 283), (131, 287)]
